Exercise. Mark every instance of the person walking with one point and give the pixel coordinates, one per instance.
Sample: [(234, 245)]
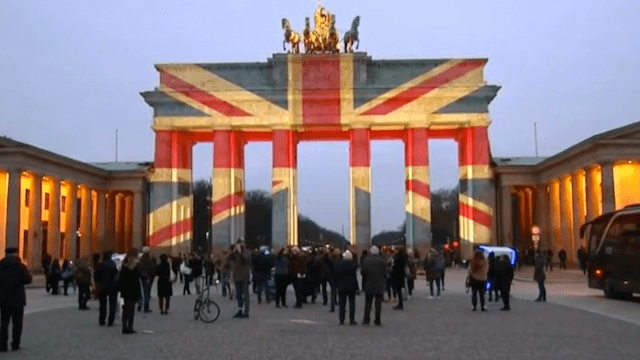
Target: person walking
[(398, 275), (241, 272), (185, 270), (503, 279), (165, 286), (105, 279), (147, 270), (196, 272), (129, 288), (13, 277), (478, 270), (374, 276), (46, 267), (66, 274), (282, 276), (539, 276), (82, 277), (347, 285), (562, 255)]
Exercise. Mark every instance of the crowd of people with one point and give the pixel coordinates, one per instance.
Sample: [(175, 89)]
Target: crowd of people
[(335, 276)]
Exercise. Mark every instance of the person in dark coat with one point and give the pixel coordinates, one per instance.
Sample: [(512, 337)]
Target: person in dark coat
[(299, 273), (398, 275), (582, 259), (374, 277), (539, 276), (82, 277), (491, 277), (165, 288), (503, 279), (13, 277), (347, 284), (562, 255), (129, 288), (105, 279), (262, 273), (66, 274), (282, 276), (147, 269), (54, 276), (46, 266)]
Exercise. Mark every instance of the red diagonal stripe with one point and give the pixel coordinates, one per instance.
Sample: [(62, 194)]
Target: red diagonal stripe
[(170, 231), (476, 215), (227, 202), (418, 187), (425, 87), (200, 96), (275, 183)]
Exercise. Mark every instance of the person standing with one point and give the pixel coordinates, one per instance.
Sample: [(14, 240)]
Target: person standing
[(82, 277), (282, 277), (491, 277), (398, 275), (347, 285), (13, 277), (374, 275), (299, 273), (241, 272), (503, 279), (262, 273), (434, 266), (46, 267), (165, 287), (539, 276), (147, 269), (582, 259), (129, 288), (478, 270), (105, 279), (54, 276), (549, 263), (196, 272), (562, 255)]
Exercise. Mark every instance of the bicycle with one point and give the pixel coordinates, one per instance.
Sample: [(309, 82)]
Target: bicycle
[(204, 308)]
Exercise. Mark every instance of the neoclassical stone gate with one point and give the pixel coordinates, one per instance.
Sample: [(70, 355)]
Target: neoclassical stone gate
[(302, 97)]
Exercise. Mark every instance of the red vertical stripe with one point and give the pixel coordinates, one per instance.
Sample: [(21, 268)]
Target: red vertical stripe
[(173, 150), (360, 148), (474, 146), (284, 149), (416, 147), (321, 90)]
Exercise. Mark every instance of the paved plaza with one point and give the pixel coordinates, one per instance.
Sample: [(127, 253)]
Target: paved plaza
[(426, 329)]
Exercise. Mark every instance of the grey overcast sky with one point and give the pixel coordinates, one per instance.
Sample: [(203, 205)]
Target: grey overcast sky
[(71, 73)]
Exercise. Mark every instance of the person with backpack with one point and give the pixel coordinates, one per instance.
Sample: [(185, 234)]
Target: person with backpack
[(434, 266)]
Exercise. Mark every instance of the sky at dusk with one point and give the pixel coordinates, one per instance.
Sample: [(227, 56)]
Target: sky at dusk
[(72, 72)]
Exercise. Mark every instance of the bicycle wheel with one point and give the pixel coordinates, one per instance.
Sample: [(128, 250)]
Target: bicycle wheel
[(196, 309), (209, 311)]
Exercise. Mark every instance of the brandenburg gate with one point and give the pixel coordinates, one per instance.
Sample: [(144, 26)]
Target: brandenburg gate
[(321, 94)]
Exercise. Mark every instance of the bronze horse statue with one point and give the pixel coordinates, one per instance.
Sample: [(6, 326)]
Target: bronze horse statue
[(351, 36), (291, 37)]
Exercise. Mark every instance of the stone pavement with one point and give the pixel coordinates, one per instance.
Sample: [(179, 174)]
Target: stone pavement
[(570, 275), (434, 329)]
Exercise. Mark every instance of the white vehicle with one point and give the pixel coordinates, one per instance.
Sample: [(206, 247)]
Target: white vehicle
[(500, 251)]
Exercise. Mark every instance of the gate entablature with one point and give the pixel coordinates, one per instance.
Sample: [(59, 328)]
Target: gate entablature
[(302, 92), (294, 97)]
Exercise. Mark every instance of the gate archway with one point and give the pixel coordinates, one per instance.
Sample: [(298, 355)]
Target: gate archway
[(299, 97)]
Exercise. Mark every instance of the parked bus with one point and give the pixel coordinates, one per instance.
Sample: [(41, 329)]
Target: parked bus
[(614, 252)]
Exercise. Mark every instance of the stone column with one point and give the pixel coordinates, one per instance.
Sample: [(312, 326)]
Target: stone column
[(72, 222), (101, 223), (360, 187), (565, 218), (13, 208), (87, 230), (577, 220), (477, 191), (35, 222), (109, 242), (417, 191), (506, 210), (169, 190), (284, 189), (228, 188), (54, 219), (138, 233), (608, 195), (542, 216)]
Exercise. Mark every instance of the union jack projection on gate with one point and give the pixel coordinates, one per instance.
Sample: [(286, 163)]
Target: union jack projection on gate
[(315, 97)]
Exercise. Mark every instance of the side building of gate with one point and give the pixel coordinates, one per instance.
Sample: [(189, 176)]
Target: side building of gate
[(304, 97)]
